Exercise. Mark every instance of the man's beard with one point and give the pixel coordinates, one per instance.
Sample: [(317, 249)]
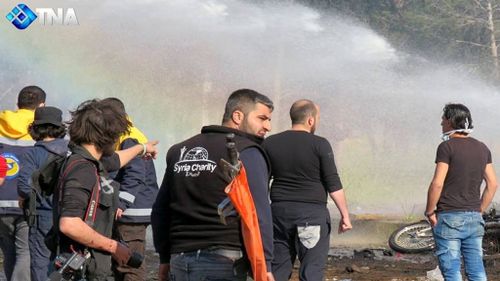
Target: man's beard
[(246, 128)]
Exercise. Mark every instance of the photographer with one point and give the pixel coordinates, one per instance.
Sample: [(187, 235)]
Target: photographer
[(85, 220)]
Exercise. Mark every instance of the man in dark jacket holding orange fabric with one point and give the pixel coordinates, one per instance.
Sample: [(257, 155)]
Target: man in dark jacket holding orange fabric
[(187, 229)]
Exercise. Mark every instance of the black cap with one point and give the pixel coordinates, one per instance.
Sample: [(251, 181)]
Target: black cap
[(48, 115)]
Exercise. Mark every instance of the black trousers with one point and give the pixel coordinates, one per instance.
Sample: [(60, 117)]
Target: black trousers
[(300, 230)]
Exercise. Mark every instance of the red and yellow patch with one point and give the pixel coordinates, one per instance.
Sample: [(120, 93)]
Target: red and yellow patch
[(13, 165)]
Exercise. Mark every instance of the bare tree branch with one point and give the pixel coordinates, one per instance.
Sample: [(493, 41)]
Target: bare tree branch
[(479, 5), (473, 44)]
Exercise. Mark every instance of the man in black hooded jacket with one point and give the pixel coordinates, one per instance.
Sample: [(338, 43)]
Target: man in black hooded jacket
[(186, 226)]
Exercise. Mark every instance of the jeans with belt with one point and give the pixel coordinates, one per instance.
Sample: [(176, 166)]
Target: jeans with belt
[(209, 264), (460, 234)]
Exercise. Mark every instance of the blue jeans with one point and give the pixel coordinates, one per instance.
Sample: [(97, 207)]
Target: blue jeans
[(206, 265), (460, 234), (14, 243), (40, 254)]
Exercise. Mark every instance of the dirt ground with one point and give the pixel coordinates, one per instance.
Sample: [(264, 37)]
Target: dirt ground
[(370, 265), (361, 255), (362, 265)]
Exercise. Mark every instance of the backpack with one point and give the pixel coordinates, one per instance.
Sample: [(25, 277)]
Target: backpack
[(43, 183)]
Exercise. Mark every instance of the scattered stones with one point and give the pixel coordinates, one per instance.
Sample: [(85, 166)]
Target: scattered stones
[(354, 268), (341, 253), (377, 254)]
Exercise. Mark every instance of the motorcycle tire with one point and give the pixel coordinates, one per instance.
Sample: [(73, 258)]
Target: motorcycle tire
[(412, 238)]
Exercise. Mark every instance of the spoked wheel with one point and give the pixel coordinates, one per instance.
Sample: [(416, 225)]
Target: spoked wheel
[(413, 238)]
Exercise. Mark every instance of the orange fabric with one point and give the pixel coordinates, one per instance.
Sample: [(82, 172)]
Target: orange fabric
[(239, 193)]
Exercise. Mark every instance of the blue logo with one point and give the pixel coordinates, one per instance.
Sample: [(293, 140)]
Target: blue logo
[(21, 16)]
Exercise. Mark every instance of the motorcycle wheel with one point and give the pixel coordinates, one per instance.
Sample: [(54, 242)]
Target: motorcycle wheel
[(412, 238)]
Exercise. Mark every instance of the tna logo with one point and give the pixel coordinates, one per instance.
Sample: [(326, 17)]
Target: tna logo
[(22, 16)]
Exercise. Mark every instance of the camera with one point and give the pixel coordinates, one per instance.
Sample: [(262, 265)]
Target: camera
[(68, 265)]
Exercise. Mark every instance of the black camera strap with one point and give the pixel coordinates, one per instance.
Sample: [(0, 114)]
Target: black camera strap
[(93, 202)]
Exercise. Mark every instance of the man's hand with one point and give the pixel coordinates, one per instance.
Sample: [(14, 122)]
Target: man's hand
[(151, 149), (338, 198), (344, 225), (121, 254), (432, 219), (119, 213), (20, 202), (163, 272), (270, 276)]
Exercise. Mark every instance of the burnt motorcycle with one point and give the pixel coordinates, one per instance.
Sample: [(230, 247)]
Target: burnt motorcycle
[(417, 237)]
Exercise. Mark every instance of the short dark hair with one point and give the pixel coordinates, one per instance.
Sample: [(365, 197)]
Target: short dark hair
[(98, 123), (301, 110), (30, 97), (458, 115), (42, 131), (115, 102), (244, 100)]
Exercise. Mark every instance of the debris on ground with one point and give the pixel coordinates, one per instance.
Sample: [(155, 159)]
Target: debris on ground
[(435, 275)]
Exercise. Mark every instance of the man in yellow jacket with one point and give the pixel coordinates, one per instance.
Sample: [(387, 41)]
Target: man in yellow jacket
[(138, 189), (14, 141), (14, 123)]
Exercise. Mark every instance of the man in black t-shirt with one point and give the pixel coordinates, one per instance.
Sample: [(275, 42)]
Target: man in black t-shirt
[(84, 220), (304, 173), (454, 201)]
